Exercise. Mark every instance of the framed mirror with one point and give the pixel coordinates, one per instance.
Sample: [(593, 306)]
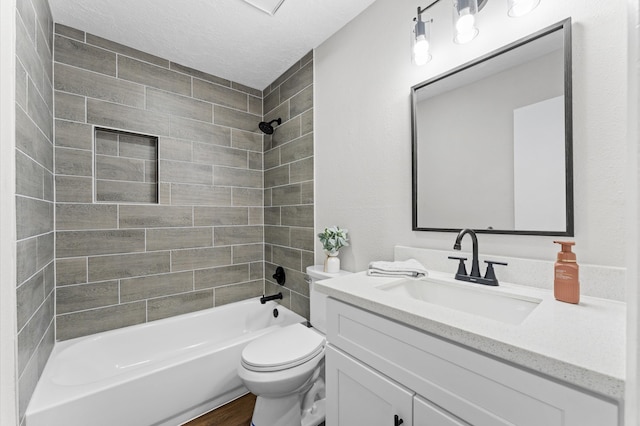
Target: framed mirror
[(492, 141)]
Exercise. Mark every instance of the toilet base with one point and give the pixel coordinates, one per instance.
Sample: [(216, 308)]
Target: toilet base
[(284, 411)]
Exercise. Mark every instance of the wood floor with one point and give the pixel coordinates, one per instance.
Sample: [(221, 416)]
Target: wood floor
[(235, 413)]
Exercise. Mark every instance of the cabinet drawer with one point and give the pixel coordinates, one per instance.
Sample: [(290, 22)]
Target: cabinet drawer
[(427, 414), (480, 390)]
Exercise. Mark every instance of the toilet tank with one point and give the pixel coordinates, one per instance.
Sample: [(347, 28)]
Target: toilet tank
[(318, 301)]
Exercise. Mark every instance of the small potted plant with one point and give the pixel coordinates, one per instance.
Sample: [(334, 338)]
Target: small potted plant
[(333, 239)]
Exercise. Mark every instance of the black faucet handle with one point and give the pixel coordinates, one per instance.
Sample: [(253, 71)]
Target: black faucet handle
[(462, 269), (491, 274)]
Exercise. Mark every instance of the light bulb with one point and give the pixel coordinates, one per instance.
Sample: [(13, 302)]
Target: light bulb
[(465, 22)]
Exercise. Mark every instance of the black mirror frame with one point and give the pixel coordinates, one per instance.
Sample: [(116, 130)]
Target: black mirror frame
[(565, 26)]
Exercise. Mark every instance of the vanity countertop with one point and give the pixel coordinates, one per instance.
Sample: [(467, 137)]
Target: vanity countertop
[(582, 344)]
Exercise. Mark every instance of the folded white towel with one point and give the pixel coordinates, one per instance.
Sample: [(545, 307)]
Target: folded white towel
[(407, 268)]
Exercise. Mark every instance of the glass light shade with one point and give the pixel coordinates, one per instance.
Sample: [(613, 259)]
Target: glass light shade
[(421, 43), (464, 20), (517, 8)]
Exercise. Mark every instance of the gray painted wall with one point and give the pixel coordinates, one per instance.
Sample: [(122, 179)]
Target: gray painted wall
[(34, 194)]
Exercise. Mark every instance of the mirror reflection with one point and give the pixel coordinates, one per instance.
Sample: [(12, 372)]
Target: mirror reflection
[(492, 141)]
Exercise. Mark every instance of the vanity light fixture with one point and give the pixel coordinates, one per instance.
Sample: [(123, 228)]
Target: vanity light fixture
[(464, 23)]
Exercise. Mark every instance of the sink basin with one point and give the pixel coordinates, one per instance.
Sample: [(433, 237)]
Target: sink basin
[(484, 302)]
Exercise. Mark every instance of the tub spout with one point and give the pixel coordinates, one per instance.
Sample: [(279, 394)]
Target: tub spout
[(265, 299)]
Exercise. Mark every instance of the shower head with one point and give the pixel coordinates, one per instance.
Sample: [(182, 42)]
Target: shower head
[(267, 128)]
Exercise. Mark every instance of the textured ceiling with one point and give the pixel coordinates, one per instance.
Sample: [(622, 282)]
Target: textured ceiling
[(227, 38)]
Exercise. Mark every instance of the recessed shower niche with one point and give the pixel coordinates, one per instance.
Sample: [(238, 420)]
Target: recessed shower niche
[(126, 167)]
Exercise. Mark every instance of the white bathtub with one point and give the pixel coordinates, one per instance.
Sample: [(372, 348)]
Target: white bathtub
[(164, 372)]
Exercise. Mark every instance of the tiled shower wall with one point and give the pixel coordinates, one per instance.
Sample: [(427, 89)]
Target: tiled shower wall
[(34, 193), (118, 263), (288, 181)]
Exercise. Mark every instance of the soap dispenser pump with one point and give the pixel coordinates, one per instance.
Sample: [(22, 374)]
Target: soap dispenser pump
[(566, 286)]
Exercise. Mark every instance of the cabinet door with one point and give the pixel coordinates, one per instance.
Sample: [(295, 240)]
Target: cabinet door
[(358, 395), (427, 414)]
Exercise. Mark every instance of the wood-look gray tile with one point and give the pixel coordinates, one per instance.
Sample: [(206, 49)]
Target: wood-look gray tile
[(297, 215), (179, 105), (132, 289), (306, 122), (86, 216), (69, 32), (71, 271), (111, 267), (34, 217), (279, 235), (70, 134), (29, 177), (106, 142), (154, 76), (287, 257), (247, 197), (287, 132), (306, 58), (285, 195), (237, 235), (303, 238), (124, 117), (138, 146), (27, 54), (272, 159), (306, 195), (246, 140), (120, 168), (199, 195), (73, 52), (220, 216), (224, 275), (236, 292), (125, 50), (199, 74), (302, 170), (26, 262), (272, 216), (193, 130), (246, 89), (236, 119), (94, 85), (126, 192), (74, 189), (29, 296), (31, 334), (297, 82), (93, 321), (301, 102), (219, 155), (281, 112), (276, 177), (132, 216), (91, 243), (256, 271), (70, 107), (300, 305), (73, 162), (21, 85), (182, 172), (255, 161), (227, 176), (255, 105), (27, 16), (200, 258), (272, 288), (179, 238), (74, 298), (220, 95), (31, 141), (45, 249), (256, 216), (169, 306), (175, 149), (271, 101), (248, 253)]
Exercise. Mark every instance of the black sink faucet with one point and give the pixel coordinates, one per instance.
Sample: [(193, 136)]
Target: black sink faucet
[(475, 267), (474, 277)]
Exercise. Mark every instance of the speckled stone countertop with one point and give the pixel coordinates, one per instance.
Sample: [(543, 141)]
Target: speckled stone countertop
[(583, 344)]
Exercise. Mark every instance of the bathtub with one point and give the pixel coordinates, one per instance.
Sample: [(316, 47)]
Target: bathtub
[(164, 372)]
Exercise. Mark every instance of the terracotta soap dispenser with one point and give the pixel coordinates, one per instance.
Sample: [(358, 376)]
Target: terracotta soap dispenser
[(566, 286)]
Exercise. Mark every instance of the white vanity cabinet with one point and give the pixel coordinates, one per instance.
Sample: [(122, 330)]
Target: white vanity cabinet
[(377, 368)]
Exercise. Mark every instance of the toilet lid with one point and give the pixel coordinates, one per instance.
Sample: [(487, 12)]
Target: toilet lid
[(285, 348)]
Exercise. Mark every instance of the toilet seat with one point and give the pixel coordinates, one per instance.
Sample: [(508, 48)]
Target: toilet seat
[(283, 349)]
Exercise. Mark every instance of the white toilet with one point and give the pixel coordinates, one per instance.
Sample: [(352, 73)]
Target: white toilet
[(285, 368)]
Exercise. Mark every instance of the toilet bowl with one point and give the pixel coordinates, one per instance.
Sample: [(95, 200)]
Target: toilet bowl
[(285, 368)]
